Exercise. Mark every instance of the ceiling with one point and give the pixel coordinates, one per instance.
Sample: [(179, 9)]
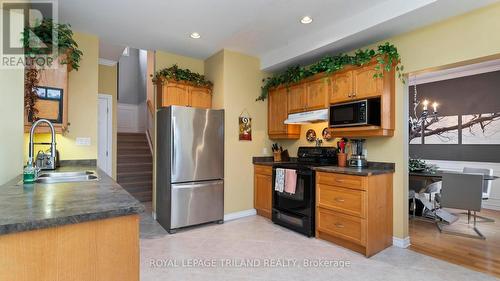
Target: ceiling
[(268, 29)]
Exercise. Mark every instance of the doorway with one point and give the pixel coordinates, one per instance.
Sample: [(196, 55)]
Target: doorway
[(104, 134), (456, 138)]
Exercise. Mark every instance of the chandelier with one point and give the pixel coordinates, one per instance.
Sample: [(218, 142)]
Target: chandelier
[(418, 121)]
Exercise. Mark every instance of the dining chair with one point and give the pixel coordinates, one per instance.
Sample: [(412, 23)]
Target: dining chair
[(486, 186), (462, 191)]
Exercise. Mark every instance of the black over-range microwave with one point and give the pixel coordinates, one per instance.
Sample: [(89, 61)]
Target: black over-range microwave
[(355, 113)]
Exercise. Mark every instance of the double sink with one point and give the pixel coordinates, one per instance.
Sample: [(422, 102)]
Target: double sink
[(61, 177)]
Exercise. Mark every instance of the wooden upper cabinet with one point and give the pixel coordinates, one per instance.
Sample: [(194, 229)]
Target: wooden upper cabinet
[(317, 94), (50, 108), (365, 85), (297, 98), (277, 113), (341, 87), (174, 94), (180, 93), (200, 97), (358, 83)]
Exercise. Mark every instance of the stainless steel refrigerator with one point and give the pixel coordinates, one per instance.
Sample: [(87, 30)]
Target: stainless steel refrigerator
[(190, 167)]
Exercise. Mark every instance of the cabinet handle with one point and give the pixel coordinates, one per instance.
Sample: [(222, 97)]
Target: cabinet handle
[(339, 225), (340, 200), (349, 95), (337, 180), (353, 94)]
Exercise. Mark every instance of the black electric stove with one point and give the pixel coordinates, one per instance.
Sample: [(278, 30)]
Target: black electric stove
[(297, 211)]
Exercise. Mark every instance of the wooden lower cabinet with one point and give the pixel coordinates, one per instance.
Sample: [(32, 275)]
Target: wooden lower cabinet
[(106, 249), (355, 211), (263, 188)]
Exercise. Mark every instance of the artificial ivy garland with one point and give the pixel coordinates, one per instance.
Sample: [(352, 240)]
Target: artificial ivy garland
[(387, 56), (179, 74)]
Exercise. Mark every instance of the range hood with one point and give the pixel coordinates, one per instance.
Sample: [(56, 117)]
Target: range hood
[(308, 117)]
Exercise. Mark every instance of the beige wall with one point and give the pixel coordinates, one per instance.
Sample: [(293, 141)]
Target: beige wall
[(455, 41), (467, 37), (12, 125), (166, 59), (237, 80), (82, 104), (107, 84)]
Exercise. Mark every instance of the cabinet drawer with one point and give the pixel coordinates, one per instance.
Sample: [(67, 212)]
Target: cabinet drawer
[(345, 200), (343, 226), (349, 181), (263, 170)]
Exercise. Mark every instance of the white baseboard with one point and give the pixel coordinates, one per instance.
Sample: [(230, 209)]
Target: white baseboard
[(239, 215), (401, 242)]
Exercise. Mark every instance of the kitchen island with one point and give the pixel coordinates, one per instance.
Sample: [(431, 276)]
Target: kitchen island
[(69, 231)]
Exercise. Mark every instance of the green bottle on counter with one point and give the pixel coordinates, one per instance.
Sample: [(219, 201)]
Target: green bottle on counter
[(29, 173)]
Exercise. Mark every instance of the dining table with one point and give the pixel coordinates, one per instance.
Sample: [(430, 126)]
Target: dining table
[(438, 175), (433, 176)]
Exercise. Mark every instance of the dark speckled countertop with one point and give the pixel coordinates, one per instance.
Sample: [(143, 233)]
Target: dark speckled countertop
[(36, 206), (374, 168)]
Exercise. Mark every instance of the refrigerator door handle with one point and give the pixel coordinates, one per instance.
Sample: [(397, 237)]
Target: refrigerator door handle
[(173, 147), (197, 184)]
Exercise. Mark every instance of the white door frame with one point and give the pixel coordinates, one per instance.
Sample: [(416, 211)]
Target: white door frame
[(109, 141)]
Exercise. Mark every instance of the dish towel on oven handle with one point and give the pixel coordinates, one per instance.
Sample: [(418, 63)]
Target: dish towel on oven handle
[(290, 181), (279, 182)]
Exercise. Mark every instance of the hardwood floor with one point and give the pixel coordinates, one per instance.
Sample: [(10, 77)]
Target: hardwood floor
[(476, 254)]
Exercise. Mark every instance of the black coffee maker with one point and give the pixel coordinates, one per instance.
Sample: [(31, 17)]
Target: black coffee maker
[(357, 157)]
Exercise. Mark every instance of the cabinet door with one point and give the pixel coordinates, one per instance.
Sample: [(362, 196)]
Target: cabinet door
[(297, 99), (56, 77), (263, 194), (175, 94), (317, 94), (200, 97), (277, 111), (341, 87), (365, 85)]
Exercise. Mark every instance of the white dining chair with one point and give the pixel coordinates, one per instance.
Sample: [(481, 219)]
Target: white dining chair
[(486, 186)]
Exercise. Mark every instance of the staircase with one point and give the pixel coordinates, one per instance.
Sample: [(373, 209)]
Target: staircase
[(135, 165)]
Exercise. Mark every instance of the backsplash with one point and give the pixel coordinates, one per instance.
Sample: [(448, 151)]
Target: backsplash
[(293, 145)]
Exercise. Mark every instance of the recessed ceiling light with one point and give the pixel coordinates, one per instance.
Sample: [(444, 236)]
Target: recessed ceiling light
[(195, 35), (306, 20)]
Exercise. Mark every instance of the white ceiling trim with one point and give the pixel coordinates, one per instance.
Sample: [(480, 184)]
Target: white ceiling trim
[(107, 62), (452, 73), (333, 33)]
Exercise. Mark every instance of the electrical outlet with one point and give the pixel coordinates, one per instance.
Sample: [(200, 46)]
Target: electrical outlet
[(83, 141)]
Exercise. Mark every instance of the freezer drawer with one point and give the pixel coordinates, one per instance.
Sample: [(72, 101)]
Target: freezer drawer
[(197, 202)]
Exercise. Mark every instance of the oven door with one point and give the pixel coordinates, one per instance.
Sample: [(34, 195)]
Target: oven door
[(300, 203), (348, 114)]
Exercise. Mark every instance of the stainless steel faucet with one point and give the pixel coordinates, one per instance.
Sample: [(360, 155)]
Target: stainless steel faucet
[(49, 163)]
